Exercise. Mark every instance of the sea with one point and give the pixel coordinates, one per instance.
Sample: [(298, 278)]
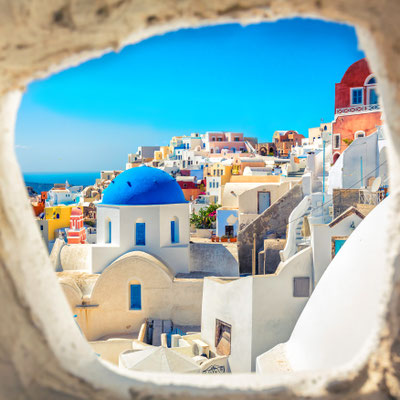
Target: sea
[(44, 181)]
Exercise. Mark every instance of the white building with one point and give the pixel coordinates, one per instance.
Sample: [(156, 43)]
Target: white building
[(143, 209), (365, 158)]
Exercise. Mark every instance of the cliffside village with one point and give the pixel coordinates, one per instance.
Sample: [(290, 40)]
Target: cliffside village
[(201, 256)]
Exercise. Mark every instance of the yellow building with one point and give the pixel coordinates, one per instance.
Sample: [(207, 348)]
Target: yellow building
[(162, 154), (219, 169), (58, 217)]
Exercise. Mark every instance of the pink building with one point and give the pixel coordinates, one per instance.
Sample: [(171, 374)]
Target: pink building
[(232, 142), (76, 233)]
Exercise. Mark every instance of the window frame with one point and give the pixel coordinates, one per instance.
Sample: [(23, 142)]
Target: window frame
[(352, 90), (358, 132), (218, 325), (333, 140), (136, 234), (131, 303), (369, 88)]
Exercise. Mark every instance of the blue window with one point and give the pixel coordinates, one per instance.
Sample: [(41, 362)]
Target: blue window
[(373, 96), (356, 96), (136, 297), (338, 244), (140, 234), (175, 231), (372, 81)]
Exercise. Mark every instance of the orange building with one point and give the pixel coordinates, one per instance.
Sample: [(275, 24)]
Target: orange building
[(357, 110), (285, 140)]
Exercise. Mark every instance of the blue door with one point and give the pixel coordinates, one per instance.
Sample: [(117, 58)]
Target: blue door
[(338, 244), (264, 201)]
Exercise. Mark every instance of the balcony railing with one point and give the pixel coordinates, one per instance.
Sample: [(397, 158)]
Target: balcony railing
[(358, 109)]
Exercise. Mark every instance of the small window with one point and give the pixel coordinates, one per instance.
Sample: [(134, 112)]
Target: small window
[(372, 81), (301, 287), (175, 230), (372, 96), (236, 139), (140, 234), (336, 141), (356, 96), (136, 296), (359, 134), (58, 216), (41, 227), (223, 333), (107, 232)]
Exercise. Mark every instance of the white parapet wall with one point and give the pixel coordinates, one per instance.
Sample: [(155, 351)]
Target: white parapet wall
[(326, 334)]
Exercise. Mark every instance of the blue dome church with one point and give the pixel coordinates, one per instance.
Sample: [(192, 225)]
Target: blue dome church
[(143, 209)]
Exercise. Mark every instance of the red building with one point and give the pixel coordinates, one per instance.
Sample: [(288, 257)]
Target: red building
[(76, 233), (191, 188), (357, 110)]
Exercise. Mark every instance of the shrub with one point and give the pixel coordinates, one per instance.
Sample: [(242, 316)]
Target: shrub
[(205, 218)]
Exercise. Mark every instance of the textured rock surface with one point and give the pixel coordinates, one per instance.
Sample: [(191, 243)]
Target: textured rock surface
[(42, 354)]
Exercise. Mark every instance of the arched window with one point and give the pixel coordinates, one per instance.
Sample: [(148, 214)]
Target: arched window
[(359, 134), (175, 230), (140, 234), (371, 80), (233, 150), (135, 298), (107, 231)]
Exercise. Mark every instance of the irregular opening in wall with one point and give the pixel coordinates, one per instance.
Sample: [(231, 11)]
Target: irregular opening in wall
[(154, 323)]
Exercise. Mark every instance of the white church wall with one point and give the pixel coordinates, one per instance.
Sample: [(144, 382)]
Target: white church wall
[(157, 234), (104, 213)]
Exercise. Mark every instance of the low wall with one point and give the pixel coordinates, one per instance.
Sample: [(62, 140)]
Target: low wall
[(214, 258), (343, 199), (273, 219)]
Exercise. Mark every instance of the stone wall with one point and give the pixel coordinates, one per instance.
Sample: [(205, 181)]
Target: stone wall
[(40, 342), (214, 258), (343, 199), (273, 220)]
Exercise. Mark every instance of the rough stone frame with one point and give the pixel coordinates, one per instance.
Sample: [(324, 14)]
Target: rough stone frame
[(42, 352)]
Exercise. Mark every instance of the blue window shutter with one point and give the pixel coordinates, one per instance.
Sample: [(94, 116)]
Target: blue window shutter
[(109, 232), (173, 232), (140, 234), (136, 297)]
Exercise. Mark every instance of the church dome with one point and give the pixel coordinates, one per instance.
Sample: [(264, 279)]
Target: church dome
[(143, 186)]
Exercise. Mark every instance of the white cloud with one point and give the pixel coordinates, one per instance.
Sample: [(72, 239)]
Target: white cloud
[(20, 146)]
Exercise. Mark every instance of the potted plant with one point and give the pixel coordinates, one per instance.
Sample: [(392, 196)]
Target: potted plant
[(204, 220), (224, 238)]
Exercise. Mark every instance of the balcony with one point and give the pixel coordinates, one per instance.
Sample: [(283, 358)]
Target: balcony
[(358, 109)]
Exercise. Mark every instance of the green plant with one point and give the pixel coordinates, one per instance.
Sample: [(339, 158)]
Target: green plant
[(205, 218), (348, 141)]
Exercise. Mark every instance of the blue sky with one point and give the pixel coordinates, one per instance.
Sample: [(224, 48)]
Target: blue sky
[(254, 79)]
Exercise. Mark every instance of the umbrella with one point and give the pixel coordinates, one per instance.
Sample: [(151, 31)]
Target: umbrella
[(157, 359)]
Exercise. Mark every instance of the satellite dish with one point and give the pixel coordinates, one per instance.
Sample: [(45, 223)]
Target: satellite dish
[(376, 184)]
